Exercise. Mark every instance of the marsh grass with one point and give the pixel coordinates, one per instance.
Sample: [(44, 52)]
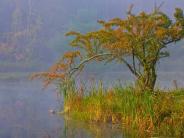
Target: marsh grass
[(159, 113)]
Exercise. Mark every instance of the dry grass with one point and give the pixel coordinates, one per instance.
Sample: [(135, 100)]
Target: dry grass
[(146, 114)]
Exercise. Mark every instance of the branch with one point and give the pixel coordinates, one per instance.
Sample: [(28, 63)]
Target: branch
[(133, 58), (129, 12), (157, 8), (171, 41), (130, 68), (73, 70)]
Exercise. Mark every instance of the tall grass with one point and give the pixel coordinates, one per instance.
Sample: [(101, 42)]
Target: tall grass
[(146, 114)]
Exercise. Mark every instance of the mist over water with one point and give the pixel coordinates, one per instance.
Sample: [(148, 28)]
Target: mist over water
[(32, 37)]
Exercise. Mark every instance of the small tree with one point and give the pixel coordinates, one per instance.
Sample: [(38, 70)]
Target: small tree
[(139, 42)]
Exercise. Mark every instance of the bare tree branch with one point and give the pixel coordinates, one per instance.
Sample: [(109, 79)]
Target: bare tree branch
[(129, 12), (171, 41), (73, 70), (82, 63), (130, 68)]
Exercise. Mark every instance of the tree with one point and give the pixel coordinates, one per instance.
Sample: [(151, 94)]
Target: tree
[(139, 42)]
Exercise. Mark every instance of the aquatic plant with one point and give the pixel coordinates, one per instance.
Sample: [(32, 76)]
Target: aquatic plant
[(146, 114)]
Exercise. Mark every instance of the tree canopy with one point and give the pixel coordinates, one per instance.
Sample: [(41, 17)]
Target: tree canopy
[(139, 42)]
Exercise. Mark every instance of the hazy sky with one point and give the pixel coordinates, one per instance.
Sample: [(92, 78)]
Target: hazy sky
[(55, 17)]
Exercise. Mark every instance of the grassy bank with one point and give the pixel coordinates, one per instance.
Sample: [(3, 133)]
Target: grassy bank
[(147, 114)]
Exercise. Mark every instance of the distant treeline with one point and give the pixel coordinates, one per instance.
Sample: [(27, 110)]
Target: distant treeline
[(32, 31)]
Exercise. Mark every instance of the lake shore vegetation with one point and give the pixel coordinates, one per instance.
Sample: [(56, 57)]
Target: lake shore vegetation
[(146, 114), (139, 42)]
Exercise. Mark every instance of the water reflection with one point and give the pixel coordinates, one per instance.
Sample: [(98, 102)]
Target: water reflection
[(76, 129), (24, 113)]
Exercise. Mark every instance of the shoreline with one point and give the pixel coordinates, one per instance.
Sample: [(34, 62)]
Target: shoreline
[(145, 114)]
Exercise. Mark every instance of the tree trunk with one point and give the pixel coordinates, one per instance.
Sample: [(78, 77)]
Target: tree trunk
[(146, 81)]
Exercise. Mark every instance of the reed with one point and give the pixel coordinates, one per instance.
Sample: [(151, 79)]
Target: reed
[(159, 113)]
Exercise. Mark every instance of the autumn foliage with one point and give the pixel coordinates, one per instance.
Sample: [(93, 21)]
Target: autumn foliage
[(139, 42)]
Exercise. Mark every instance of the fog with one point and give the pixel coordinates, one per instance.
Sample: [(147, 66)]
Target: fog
[(32, 38), (32, 31)]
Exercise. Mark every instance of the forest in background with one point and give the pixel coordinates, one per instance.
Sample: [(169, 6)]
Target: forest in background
[(32, 31)]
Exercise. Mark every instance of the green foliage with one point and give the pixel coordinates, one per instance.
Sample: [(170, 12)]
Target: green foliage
[(138, 41), (145, 114)]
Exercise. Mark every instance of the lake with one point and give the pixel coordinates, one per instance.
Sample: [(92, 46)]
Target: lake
[(24, 113), (25, 106)]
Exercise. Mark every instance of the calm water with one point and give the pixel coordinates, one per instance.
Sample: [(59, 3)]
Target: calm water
[(24, 110), (24, 113)]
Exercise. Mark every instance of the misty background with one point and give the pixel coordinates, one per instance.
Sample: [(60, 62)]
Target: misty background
[(32, 32), (32, 38)]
